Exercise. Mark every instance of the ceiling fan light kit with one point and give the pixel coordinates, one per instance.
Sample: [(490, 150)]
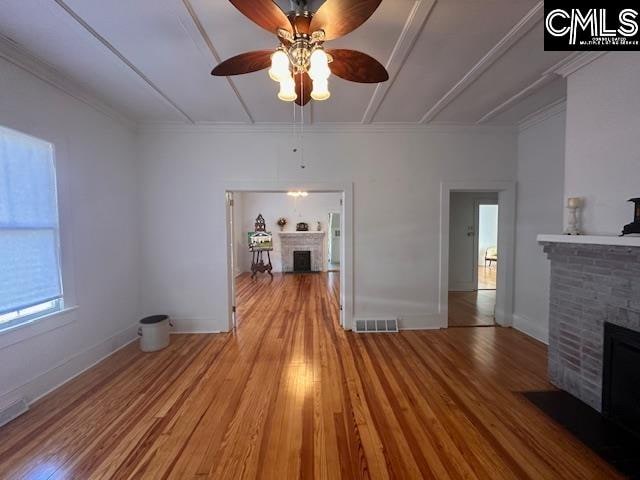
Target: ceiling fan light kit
[(300, 64)]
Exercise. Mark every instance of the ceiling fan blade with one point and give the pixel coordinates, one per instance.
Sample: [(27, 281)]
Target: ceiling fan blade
[(339, 17), (357, 66), (264, 13), (244, 63), (303, 88)]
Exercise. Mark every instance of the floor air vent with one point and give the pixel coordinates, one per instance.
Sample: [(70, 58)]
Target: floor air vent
[(376, 326)]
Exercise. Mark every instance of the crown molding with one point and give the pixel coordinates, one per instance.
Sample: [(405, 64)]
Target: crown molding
[(511, 38), (578, 62), (406, 41), (325, 128), (17, 55), (543, 114)]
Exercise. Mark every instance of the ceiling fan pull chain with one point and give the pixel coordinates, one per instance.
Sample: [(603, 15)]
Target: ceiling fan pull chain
[(302, 165)]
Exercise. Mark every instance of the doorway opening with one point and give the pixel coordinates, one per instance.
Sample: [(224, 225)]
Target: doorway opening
[(473, 258), (487, 257), (334, 239), (300, 237)]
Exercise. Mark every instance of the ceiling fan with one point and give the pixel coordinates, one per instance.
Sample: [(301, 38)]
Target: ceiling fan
[(300, 63)]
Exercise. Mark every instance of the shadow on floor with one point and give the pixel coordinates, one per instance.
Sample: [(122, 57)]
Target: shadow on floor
[(612, 443)]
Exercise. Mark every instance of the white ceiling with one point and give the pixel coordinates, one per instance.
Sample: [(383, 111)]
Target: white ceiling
[(450, 61)]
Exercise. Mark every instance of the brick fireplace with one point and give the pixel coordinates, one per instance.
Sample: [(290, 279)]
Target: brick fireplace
[(296, 242), (594, 280)]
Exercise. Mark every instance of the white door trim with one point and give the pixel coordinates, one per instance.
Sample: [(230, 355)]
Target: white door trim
[(506, 245), (346, 253)]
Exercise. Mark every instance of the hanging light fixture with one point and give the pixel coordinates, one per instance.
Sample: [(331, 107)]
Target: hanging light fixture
[(279, 65), (305, 55), (287, 89), (320, 73)]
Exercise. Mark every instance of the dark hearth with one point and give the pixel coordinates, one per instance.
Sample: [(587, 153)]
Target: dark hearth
[(633, 227), (612, 443), (302, 261), (621, 377)]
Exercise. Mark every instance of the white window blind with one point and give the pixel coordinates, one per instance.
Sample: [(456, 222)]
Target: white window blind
[(29, 241)]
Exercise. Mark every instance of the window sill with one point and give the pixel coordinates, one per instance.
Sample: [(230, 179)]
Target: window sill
[(37, 326)]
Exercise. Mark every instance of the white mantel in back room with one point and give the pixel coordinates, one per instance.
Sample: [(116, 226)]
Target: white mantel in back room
[(627, 241), (312, 241)]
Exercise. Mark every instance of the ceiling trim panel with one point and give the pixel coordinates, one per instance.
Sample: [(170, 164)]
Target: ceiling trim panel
[(577, 62), (547, 77), (511, 38), (216, 56), (406, 41), (146, 81), (21, 58)]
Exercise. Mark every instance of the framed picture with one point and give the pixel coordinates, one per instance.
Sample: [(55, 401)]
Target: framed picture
[(260, 240)]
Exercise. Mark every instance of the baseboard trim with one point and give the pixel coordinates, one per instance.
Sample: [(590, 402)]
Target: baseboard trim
[(531, 328), (196, 332), (196, 325), (433, 321), (68, 369)]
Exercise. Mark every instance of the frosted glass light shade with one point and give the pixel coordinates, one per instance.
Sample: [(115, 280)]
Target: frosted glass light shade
[(320, 90), (319, 69), (287, 89), (279, 66)]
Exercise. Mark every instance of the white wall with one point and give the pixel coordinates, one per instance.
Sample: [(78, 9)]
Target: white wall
[(96, 172), (312, 209), (540, 210), (396, 186), (602, 148)]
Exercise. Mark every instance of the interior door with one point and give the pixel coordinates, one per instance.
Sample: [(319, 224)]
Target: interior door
[(462, 243)]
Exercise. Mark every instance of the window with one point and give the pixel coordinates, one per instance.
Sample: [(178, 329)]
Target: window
[(30, 283)]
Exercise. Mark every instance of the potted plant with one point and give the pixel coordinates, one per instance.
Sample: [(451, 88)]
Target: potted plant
[(282, 222)]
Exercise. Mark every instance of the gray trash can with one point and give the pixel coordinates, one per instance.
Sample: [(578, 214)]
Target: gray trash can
[(154, 333)]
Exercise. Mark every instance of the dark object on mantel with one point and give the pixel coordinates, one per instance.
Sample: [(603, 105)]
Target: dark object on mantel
[(633, 227), (612, 443), (302, 227)]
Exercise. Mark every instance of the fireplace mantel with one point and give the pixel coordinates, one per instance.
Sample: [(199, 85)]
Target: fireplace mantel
[(313, 242), (628, 241)]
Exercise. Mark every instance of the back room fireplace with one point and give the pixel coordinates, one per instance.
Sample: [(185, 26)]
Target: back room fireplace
[(302, 261), (621, 376)]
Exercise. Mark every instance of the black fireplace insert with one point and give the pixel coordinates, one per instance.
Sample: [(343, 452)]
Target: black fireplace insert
[(621, 377), (302, 261)]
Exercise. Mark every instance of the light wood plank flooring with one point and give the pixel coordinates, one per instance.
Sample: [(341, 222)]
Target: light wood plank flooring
[(487, 277), (472, 309), (291, 395)]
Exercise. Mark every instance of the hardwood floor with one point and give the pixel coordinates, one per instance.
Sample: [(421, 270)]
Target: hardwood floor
[(291, 395), (472, 309), (487, 277)]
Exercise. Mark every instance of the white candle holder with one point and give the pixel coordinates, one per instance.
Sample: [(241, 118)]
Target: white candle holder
[(573, 205)]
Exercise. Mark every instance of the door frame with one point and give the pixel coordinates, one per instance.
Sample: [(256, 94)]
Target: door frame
[(506, 245), (346, 227)]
